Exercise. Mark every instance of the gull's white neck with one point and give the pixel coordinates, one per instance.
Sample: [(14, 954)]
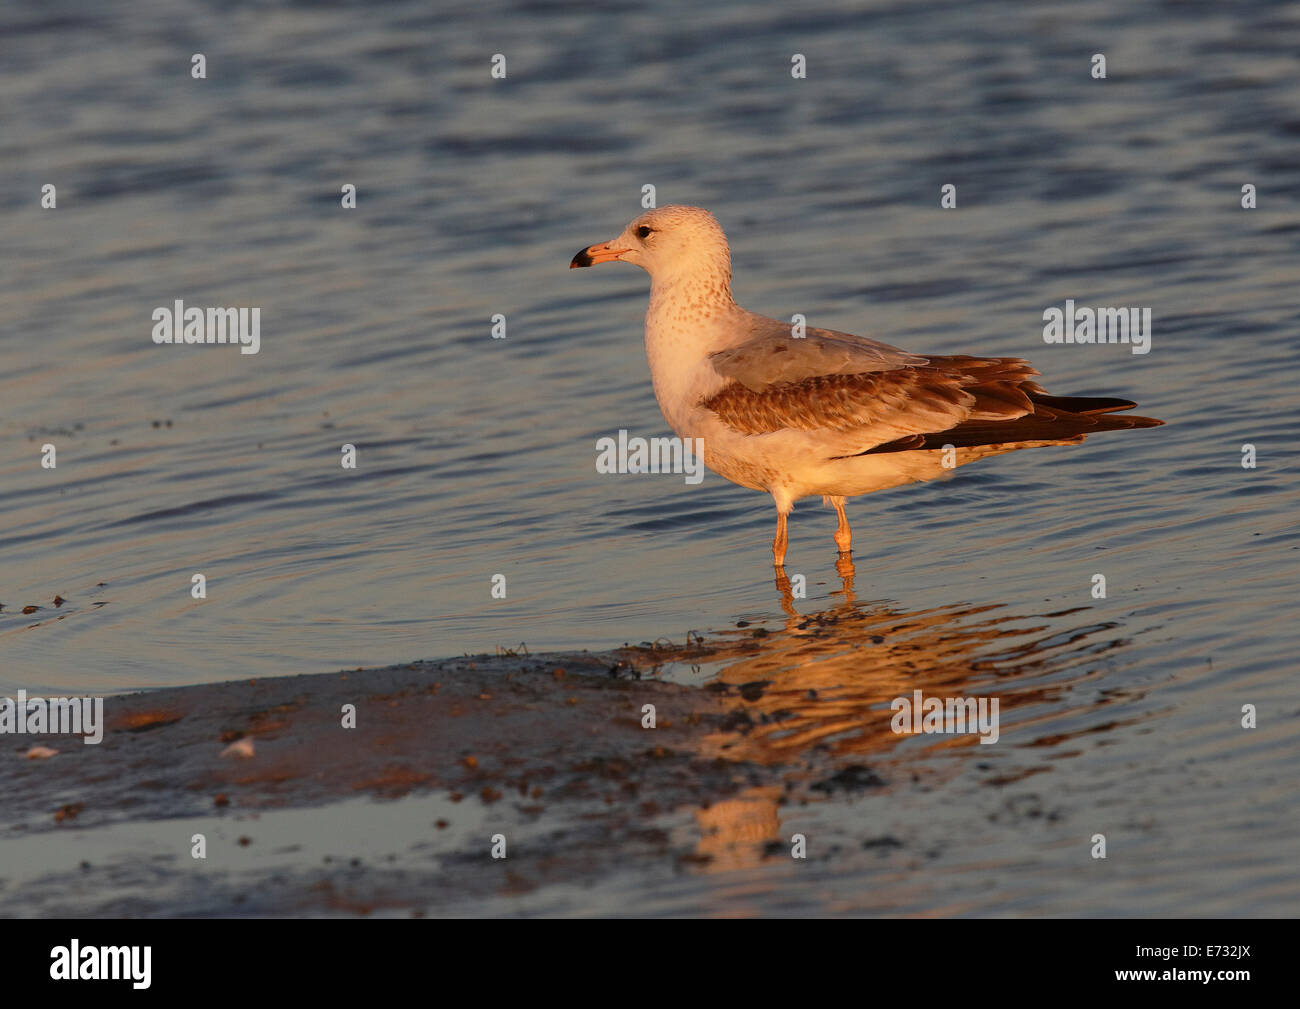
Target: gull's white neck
[(687, 300), (691, 316)]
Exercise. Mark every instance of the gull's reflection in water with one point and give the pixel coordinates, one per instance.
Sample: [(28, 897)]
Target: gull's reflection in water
[(813, 696), (843, 567)]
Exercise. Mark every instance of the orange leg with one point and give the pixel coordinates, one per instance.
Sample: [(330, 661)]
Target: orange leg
[(779, 544), (843, 534)]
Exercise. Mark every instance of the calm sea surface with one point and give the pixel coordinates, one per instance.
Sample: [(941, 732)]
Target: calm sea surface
[(476, 456)]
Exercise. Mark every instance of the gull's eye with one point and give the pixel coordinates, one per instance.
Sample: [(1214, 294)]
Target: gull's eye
[(643, 232)]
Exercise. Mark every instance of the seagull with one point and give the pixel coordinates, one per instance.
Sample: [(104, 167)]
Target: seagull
[(798, 412)]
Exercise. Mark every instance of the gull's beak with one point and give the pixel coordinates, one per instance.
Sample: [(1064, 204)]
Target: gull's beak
[(603, 253)]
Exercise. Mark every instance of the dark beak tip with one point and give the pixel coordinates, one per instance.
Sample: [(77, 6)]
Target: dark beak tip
[(581, 259)]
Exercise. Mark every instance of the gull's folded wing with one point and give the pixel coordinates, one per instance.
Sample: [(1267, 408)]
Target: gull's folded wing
[(888, 400)]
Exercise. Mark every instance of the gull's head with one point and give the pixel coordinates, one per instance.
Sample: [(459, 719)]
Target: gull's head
[(667, 242)]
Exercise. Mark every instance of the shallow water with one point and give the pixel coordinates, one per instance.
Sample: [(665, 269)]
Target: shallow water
[(476, 456)]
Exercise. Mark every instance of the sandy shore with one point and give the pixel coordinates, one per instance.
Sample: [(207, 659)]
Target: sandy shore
[(765, 734), (547, 751)]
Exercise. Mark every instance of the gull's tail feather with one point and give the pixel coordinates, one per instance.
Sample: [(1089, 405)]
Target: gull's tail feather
[(1078, 404), (1054, 418)]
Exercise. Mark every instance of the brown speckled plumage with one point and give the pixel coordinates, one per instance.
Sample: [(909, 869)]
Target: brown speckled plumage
[(956, 400)]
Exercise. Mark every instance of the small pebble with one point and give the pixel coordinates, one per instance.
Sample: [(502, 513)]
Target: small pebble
[(239, 748)]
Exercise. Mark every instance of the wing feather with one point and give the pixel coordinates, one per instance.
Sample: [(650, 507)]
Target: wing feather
[(773, 357), (894, 401)]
